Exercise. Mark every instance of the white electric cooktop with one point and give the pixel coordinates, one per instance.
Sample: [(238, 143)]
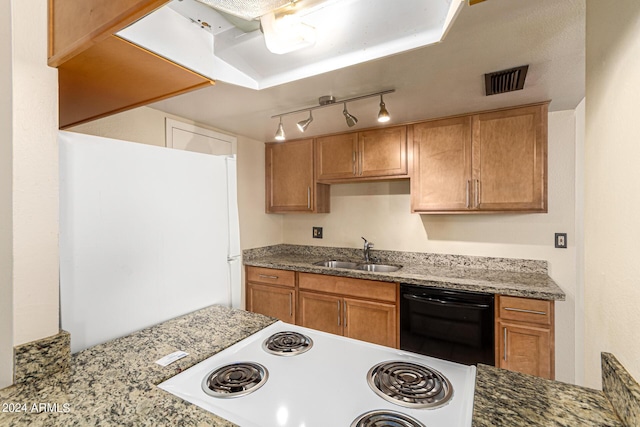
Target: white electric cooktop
[(325, 385)]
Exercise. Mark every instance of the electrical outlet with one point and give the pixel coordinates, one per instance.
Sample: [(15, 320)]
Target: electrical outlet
[(561, 240), (317, 232)]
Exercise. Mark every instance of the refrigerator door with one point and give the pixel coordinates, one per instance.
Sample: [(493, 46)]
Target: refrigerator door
[(234, 253), (144, 235)]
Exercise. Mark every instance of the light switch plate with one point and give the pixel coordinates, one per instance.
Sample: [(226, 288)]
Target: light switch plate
[(317, 232), (561, 240)]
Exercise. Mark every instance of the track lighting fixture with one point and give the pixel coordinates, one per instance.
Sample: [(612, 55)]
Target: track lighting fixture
[(351, 120), (280, 132), (383, 115), (304, 124), (327, 101)]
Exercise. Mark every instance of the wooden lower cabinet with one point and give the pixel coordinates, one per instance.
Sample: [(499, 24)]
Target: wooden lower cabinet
[(371, 321), (321, 312), (272, 301), (525, 349), (366, 310), (271, 292), (525, 336)]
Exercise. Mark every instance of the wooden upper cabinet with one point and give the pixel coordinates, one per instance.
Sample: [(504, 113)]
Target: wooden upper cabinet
[(337, 156), (510, 159), (100, 74), (488, 162), (372, 154), (290, 183), (383, 152), (442, 165), (115, 76), (76, 25)]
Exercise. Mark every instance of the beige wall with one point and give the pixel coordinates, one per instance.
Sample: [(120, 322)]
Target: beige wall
[(144, 125), (612, 196), (6, 232), (381, 213), (35, 177)]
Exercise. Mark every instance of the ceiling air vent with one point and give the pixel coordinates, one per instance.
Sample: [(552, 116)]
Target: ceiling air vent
[(505, 80)]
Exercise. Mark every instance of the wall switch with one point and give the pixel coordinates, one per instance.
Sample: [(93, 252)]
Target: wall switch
[(317, 232), (561, 240)]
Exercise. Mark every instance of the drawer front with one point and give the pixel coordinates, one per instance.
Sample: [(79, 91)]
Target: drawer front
[(368, 289), (271, 276), (526, 310)]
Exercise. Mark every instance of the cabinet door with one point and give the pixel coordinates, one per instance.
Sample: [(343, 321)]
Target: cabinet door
[(382, 152), (371, 321), (510, 160), (525, 349), (336, 156), (289, 180), (441, 177), (272, 301), (321, 312)]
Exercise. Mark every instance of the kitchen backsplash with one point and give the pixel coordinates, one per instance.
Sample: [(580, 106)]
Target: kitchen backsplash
[(622, 390), (41, 358), (397, 257)]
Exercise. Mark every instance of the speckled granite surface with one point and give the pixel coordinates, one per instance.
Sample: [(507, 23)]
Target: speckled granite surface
[(41, 358), (621, 389), (114, 384), (508, 399), (523, 278)]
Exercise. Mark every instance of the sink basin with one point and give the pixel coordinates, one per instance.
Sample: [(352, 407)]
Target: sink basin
[(380, 268), (337, 264)]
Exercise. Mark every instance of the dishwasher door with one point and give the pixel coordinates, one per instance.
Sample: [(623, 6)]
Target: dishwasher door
[(451, 325)]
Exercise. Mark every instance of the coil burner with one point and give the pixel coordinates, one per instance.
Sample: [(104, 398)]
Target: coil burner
[(235, 379), (287, 343), (409, 384), (385, 419)]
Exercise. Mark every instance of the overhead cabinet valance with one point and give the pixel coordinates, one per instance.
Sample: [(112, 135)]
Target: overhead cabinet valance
[(486, 162)]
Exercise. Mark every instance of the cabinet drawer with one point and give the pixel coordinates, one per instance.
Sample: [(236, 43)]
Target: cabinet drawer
[(369, 289), (271, 276), (526, 310)]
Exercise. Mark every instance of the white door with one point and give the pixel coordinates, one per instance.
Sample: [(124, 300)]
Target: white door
[(184, 136)]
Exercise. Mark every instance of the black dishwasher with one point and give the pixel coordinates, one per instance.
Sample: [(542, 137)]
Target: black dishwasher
[(450, 325)]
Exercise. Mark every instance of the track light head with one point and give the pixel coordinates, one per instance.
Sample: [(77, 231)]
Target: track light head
[(304, 124), (383, 115), (280, 132), (351, 120)]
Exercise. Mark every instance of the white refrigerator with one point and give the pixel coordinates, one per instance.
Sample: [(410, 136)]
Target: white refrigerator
[(146, 234)]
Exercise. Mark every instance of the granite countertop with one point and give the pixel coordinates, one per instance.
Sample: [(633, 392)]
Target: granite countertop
[(114, 384), (521, 278), (505, 398)]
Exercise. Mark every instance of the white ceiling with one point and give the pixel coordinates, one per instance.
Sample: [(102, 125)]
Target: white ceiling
[(434, 81)]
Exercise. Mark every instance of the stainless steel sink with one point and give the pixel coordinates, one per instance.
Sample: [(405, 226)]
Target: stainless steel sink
[(380, 268), (337, 264)]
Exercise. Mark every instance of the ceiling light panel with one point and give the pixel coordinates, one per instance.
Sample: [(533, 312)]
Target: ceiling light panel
[(246, 9), (345, 33)]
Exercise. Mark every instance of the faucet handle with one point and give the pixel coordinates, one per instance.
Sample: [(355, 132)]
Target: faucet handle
[(367, 244)]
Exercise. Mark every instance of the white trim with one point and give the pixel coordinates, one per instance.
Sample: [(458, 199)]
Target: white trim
[(171, 124)]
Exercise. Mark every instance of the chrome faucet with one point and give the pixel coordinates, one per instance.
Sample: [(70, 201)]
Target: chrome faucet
[(367, 250)]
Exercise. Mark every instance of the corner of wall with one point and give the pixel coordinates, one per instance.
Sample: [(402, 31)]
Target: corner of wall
[(6, 204)]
